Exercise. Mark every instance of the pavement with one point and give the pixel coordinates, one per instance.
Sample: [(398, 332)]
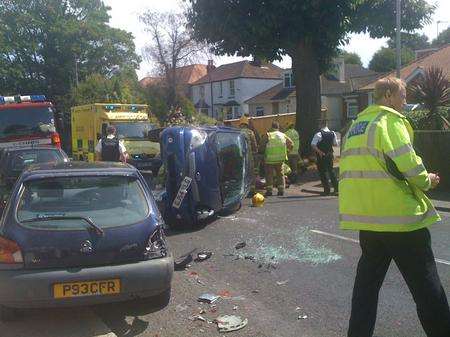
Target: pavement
[(294, 277)]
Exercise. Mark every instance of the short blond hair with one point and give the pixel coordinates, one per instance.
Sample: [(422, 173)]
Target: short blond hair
[(387, 84)]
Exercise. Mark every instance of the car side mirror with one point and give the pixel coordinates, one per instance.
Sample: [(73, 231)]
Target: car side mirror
[(153, 135)]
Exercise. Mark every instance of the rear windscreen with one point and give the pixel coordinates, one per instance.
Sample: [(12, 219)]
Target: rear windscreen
[(109, 201), (21, 159), (21, 122)]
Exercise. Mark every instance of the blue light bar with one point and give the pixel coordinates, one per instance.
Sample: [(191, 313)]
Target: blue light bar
[(111, 107), (20, 99)]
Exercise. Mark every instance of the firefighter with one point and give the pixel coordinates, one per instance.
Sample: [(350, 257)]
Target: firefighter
[(275, 145), (293, 155), (382, 184), (322, 144), (110, 148), (251, 141)]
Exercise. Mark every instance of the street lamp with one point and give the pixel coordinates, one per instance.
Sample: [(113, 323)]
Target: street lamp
[(398, 43)]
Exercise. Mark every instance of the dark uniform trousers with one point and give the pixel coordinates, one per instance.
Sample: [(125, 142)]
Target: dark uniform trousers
[(412, 253), (325, 167)]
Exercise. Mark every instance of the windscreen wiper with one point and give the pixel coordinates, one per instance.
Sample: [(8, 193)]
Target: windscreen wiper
[(98, 230)]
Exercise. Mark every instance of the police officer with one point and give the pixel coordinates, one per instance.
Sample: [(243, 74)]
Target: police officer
[(322, 144), (275, 145), (381, 194), (251, 141), (110, 148), (293, 154)]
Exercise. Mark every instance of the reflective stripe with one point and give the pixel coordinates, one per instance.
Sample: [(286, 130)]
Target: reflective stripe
[(363, 151), (388, 220), (407, 148), (372, 131), (414, 171), (364, 175)]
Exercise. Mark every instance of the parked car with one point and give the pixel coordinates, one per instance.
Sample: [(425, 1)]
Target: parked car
[(81, 233), (14, 160), (207, 171)]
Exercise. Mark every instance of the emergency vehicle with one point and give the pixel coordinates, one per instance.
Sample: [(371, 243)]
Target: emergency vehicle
[(27, 121), (132, 122)]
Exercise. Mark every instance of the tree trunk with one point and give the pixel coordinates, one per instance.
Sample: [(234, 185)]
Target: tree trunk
[(306, 72)]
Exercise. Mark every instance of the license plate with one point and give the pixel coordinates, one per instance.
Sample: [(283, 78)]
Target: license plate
[(182, 191), (86, 288)]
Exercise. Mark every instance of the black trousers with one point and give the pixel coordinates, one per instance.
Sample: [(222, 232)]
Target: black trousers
[(412, 253), (325, 167)]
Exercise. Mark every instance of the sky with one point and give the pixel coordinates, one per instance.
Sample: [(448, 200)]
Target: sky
[(124, 14)]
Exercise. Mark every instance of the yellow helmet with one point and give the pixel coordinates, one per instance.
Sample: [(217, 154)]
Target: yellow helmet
[(243, 120), (258, 200)]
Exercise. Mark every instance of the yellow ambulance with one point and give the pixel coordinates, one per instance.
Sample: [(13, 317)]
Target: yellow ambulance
[(132, 122)]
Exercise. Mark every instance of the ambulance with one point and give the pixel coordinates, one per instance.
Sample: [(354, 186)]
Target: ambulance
[(132, 122)]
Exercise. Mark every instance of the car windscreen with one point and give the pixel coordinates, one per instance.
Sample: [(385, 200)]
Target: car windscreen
[(24, 158), (138, 130), (21, 122), (109, 201)]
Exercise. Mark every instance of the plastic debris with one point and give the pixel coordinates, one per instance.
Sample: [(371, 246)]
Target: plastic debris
[(230, 323), (183, 261), (202, 256), (198, 318), (303, 317), (240, 245), (282, 283), (235, 307), (208, 298)]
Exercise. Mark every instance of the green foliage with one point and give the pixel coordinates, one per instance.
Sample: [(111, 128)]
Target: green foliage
[(442, 39), (420, 119), (413, 41), (384, 59), (46, 44), (350, 58)]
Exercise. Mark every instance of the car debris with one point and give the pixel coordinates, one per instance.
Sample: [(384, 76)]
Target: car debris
[(255, 291), (203, 255), (303, 317), (240, 245), (235, 307), (228, 323), (198, 318), (183, 261), (208, 298), (282, 283)]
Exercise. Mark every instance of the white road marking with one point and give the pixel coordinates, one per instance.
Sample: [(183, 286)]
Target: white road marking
[(357, 241)]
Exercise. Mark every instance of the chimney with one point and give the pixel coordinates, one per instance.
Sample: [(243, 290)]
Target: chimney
[(210, 67), (341, 65), (256, 61)]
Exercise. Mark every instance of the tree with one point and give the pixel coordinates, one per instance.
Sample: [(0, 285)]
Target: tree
[(350, 58), (442, 39), (433, 91), (412, 41), (46, 46), (171, 45), (309, 31), (385, 59)]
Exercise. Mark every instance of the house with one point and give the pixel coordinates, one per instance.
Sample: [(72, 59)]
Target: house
[(414, 70), (336, 87), (222, 92), (185, 77)]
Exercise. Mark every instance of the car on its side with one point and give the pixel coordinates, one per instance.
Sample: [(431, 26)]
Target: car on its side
[(81, 233)]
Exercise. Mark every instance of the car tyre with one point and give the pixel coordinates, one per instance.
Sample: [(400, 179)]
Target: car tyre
[(7, 314)]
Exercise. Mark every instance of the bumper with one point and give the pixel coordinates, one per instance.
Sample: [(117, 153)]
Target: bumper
[(34, 288)]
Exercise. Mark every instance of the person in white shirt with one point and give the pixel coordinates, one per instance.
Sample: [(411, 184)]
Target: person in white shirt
[(322, 144), (110, 148)]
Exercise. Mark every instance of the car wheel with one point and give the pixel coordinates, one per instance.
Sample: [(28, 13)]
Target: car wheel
[(7, 314)]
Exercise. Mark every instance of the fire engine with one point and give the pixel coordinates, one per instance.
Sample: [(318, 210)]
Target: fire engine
[(27, 121)]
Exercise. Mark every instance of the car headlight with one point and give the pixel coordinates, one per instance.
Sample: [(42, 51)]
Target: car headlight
[(156, 246)]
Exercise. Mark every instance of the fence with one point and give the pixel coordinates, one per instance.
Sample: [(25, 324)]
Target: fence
[(434, 148)]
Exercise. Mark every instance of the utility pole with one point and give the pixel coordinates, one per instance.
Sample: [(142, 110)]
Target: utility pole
[(76, 72), (398, 42)]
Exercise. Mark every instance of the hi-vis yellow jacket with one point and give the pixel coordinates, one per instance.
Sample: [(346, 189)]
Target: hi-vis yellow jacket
[(381, 178)]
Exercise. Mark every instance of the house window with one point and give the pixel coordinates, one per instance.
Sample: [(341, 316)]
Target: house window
[(204, 111), (229, 111), (287, 80), (236, 112), (202, 91), (232, 91), (220, 89), (259, 111), (352, 109), (275, 108)]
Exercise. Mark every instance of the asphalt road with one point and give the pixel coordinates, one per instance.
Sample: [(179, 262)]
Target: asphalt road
[(296, 263)]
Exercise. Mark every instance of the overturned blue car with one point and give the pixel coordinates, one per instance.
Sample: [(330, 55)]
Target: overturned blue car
[(207, 172)]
